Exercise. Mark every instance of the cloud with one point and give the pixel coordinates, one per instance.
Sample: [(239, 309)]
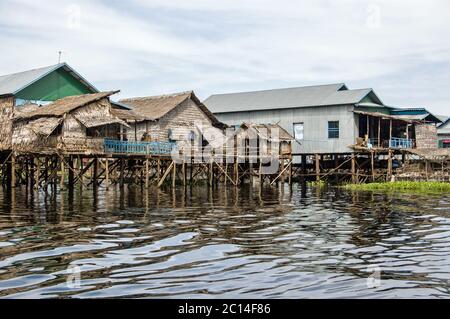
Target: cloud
[(153, 47)]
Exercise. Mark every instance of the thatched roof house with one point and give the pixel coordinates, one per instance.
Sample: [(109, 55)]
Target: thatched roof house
[(172, 117), (72, 124)]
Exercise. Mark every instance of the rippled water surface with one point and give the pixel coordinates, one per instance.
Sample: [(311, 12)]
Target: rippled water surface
[(274, 243)]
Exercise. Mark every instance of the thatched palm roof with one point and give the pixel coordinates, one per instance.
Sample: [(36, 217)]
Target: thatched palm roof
[(155, 107), (64, 105), (129, 115)]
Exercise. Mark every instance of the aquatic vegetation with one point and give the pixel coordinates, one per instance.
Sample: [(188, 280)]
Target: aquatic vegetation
[(406, 185), (317, 184)]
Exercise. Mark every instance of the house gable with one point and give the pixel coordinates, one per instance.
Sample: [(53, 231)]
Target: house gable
[(53, 86)]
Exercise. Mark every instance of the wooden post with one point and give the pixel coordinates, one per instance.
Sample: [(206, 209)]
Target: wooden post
[(13, 171), (183, 170), (303, 167), (37, 172), (390, 132), (174, 175), (379, 131), (81, 164), (317, 157), (122, 173), (71, 172), (260, 174), (368, 127), (158, 168), (95, 173), (290, 170), (354, 178), (372, 162), (147, 172), (63, 176), (389, 172), (107, 173), (211, 173), (225, 180), (236, 171)]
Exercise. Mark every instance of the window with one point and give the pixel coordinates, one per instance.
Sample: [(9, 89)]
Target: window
[(333, 129), (298, 131)]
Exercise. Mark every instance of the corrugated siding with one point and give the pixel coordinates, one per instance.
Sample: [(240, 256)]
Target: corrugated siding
[(315, 126)]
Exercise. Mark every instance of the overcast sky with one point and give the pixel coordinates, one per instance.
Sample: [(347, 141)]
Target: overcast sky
[(401, 49)]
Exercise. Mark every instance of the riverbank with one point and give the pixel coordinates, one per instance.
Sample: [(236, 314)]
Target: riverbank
[(410, 186)]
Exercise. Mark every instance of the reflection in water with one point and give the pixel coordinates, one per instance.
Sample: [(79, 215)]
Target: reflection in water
[(197, 243)]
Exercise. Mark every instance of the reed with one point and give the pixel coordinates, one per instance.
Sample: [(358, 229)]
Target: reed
[(405, 185)]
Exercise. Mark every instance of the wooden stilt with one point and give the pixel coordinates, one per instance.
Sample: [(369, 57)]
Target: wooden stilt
[(71, 173), (147, 172), (174, 175), (354, 177), (13, 171), (63, 176), (95, 173), (37, 172), (183, 171), (317, 157), (389, 171), (122, 173), (107, 173), (372, 165)]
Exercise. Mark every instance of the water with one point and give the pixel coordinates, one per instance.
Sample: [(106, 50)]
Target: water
[(277, 243)]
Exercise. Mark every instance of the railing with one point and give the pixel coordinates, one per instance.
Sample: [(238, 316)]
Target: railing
[(145, 148), (396, 142)]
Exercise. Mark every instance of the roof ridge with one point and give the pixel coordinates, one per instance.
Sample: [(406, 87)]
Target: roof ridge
[(35, 69), (154, 97), (286, 88)]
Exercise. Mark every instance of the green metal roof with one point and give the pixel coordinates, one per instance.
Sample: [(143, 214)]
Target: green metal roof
[(45, 84)]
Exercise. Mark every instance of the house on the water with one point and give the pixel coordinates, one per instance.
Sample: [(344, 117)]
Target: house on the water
[(329, 119), (74, 124), (166, 118), (38, 86), (443, 131)]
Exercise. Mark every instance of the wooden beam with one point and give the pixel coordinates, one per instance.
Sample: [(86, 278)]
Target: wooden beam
[(169, 169), (282, 172)]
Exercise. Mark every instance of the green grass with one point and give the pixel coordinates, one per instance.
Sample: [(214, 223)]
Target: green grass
[(402, 186)]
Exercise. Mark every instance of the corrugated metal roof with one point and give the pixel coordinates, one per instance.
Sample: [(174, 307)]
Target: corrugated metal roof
[(320, 95), (14, 83), (444, 128)]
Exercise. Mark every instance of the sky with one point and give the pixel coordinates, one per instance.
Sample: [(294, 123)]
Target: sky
[(398, 48)]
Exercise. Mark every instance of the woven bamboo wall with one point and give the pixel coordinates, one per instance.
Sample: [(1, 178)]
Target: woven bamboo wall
[(6, 114), (426, 136)]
